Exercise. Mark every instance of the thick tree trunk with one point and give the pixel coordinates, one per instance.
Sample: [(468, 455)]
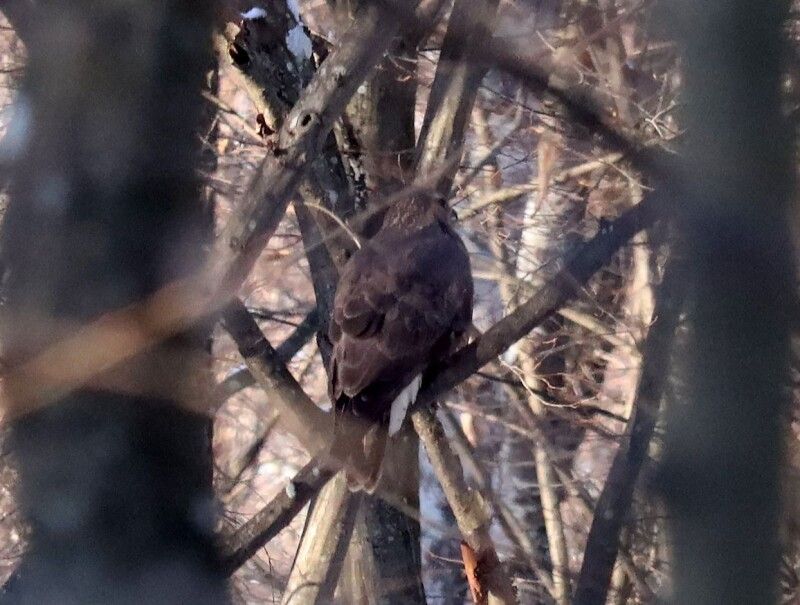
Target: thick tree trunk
[(115, 479), (720, 474)]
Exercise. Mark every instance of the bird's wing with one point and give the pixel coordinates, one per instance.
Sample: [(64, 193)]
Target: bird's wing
[(398, 299)]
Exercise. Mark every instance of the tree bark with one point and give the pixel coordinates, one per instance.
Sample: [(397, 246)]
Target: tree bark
[(721, 468), (105, 210)]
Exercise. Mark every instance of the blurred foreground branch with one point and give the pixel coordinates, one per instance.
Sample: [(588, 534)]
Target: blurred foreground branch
[(612, 507)]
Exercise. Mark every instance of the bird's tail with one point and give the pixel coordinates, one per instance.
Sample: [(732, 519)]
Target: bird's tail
[(363, 444), (366, 462)]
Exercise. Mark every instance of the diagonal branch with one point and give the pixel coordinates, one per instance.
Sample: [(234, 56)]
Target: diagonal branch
[(297, 413), (236, 548), (587, 259), (615, 500), (469, 509)]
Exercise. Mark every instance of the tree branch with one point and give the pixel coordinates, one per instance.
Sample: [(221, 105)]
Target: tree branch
[(586, 260), (297, 413), (615, 500), (453, 91), (237, 547), (468, 507), (300, 139)]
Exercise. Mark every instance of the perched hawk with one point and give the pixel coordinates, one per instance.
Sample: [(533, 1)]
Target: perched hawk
[(403, 301)]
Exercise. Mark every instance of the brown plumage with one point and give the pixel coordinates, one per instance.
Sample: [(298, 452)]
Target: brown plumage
[(404, 299)]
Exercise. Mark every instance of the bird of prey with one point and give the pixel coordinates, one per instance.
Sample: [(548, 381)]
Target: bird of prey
[(403, 302)]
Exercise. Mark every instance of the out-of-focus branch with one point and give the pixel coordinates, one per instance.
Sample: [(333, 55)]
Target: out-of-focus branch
[(20, 14), (237, 547), (615, 500), (468, 507)]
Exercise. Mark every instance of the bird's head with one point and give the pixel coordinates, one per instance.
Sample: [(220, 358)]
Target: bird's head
[(419, 211)]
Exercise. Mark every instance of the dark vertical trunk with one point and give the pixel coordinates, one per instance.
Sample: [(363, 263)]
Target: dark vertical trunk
[(720, 475), (105, 210)]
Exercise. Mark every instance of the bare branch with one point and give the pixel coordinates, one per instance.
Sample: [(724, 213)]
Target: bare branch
[(238, 547), (454, 89), (468, 507), (312, 582), (242, 378), (512, 527), (586, 260), (299, 140), (297, 413)]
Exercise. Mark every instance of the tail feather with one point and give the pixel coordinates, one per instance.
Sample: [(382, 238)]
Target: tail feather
[(366, 463)]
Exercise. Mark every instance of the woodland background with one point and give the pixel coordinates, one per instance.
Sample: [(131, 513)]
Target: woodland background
[(623, 427)]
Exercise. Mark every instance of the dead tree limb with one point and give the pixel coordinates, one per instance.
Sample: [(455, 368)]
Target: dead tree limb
[(299, 140), (612, 507), (242, 378), (246, 541), (468, 507)]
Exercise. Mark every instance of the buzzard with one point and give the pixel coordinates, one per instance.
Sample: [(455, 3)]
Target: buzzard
[(403, 302)]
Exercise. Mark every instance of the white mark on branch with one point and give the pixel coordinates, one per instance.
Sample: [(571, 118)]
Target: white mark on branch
[(254, 13), (297, 41)]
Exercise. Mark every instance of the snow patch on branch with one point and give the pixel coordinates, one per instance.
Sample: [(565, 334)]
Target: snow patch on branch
[(297, 41), (254, 13)]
